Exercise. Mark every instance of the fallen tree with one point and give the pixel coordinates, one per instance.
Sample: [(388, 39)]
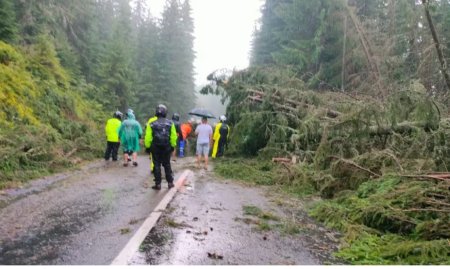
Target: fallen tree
[(382, 167)]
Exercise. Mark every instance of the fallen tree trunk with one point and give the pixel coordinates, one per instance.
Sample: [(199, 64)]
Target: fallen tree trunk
[(287, 104), (293, 160)]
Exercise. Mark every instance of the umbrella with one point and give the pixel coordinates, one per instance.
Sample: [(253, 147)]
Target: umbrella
[(202, 112)]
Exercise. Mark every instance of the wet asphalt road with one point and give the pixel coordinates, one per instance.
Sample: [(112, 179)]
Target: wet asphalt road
[(206, 224), (78, 218)]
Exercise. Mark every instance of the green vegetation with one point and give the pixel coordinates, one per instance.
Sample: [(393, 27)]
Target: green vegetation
[(297, 180), (254, 171), (66, 66), (356, 92), (125, 230), (389, 220), (268, 221), (264, 218), (257, 212), (353, 94), (172, 223), (392, 220), (43, 121)]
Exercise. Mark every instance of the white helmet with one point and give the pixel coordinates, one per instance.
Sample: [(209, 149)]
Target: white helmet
[(222, 118)]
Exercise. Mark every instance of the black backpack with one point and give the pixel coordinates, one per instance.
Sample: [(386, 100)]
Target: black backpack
[(161, 132)]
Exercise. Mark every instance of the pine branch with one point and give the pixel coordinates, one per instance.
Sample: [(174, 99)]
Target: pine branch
[(355, 165)]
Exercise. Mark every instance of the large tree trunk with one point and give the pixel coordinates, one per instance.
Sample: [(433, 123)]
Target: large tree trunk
[(343, 54), (440, 54), (373, 64)]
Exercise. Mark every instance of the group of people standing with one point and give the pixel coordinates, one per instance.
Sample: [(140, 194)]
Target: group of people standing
[(163, 138), (128, 132)]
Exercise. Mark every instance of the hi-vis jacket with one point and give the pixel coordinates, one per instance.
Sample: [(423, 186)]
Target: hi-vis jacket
[(149, 134), (112, 130)]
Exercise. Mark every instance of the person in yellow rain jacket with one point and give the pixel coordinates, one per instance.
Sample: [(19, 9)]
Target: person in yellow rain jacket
[(149, 122), (160, 141), (112, 136), (220, 137)]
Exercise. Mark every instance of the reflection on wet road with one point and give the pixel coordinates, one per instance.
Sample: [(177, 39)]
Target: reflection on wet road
[(85, 217)]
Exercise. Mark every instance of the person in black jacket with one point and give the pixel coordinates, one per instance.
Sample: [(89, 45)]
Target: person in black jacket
[(160, 141)]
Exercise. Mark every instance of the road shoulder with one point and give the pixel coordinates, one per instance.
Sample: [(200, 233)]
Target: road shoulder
[(217, 222)]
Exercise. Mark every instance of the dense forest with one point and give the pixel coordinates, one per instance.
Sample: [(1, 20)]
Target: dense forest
[(349, 100), (343, 99), (67, 66)]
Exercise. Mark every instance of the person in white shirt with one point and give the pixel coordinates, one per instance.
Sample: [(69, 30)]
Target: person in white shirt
[(204, 139)]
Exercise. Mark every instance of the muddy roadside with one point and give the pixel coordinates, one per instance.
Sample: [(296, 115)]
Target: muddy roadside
[(213, 221)]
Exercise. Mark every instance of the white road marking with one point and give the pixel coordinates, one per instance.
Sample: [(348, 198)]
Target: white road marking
[(133, 245)]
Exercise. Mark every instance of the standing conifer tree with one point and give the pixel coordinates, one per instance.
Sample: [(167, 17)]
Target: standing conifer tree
[(116, 68), (8, 27), (146, 68), (174, 58)]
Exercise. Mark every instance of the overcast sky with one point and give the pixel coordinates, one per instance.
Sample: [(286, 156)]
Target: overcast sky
[(223, 33)]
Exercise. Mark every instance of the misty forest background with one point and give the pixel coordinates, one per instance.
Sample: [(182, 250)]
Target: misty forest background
[(66, 66), (343, 99)]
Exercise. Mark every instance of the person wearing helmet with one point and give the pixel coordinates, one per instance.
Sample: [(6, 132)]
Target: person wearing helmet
[(112, 136), (160, 141), (176, 122), (220, 137), (130, 132)]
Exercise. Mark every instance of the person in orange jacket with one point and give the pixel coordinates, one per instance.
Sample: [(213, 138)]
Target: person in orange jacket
[(186, 130)]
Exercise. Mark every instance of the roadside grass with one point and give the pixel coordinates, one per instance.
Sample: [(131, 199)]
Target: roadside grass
[(257, 212), (384, 222), (264, 226), (267, 221), (247, 170), (290, 227), (172, 223), (125, 230), (295, 181), (387, 220)]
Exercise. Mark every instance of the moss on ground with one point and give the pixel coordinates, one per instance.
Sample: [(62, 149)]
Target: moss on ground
[(387, 220)]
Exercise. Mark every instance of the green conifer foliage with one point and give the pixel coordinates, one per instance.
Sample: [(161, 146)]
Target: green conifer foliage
[(8, 27), (76, 62)]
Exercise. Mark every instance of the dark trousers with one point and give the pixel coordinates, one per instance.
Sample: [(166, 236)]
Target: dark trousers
[(161, 156), (112, 148), (221, 146)]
